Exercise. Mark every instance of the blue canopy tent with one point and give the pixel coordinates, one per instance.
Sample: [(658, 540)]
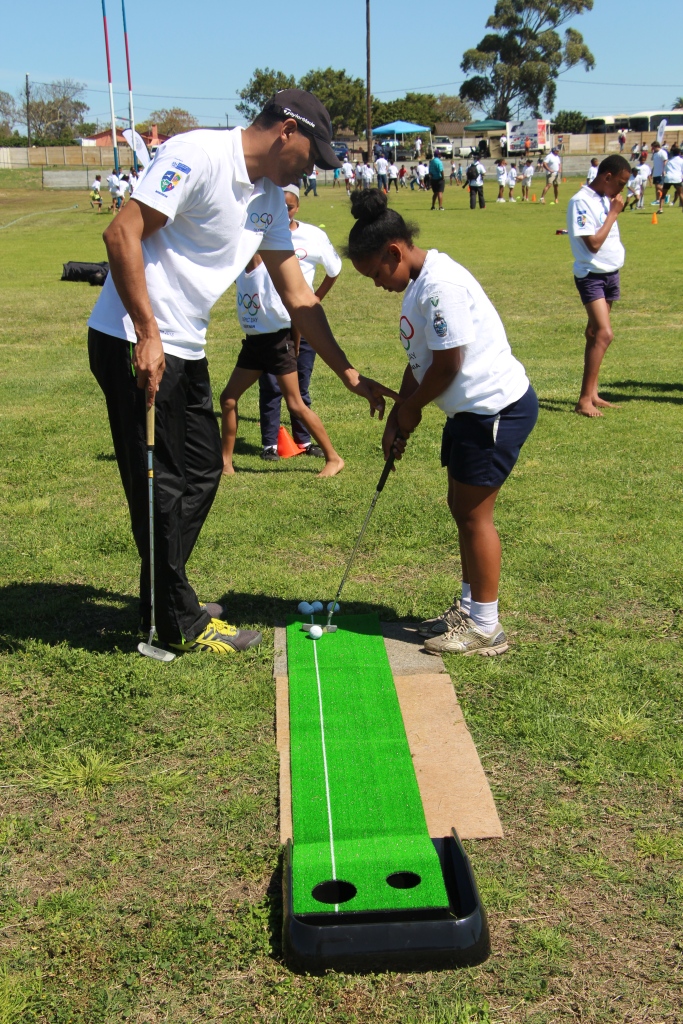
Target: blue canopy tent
[(402, 128)]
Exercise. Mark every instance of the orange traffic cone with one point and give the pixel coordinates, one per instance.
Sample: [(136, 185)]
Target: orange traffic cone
[(654, 218), (564, 181), (533, 198), (285, 445)]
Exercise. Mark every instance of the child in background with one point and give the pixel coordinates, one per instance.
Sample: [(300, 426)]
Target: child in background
[(598, 257), (634, 189), (644, 172), (592, 171), (512, 181), (267, 348), (502, 177), (527, 175), (459, 358)]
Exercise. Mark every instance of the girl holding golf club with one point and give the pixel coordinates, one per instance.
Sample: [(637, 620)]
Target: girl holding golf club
[(458, 357)]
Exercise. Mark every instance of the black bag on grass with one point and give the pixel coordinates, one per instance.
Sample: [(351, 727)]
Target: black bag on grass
[(93, 273)]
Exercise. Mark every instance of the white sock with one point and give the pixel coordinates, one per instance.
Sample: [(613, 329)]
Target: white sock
[(484, 615), (465, 598)]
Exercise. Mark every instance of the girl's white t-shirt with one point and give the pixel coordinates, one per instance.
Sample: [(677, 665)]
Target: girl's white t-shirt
[(512, 176), (501, 174), (446, 307), (644, 172), (528, 172), (259, 307)]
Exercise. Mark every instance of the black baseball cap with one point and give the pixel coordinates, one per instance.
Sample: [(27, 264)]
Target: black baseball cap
[(312, 119)]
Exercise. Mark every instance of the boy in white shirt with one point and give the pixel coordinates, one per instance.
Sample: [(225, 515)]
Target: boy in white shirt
[(393, 176), (634, 189), (267, 348), (512, 181), (592, 171), (347, 172), (527, 176), (313, 249), (598, 257), (501, 177), (644, 172)]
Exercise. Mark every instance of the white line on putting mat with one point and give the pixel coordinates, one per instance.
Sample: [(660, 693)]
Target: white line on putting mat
[(327, 780)]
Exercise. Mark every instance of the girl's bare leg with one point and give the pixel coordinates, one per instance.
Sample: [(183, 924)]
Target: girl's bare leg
[(240, 381), (472, 509), (289, 386)]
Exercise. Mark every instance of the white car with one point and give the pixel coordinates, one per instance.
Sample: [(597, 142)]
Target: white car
[(443, 144)]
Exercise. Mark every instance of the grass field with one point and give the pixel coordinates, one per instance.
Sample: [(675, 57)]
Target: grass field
[(138, 802)]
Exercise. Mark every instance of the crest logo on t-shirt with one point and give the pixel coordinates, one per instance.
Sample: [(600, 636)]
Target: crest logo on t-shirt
[(407, 331), (440, 325), (581, 217), (434, 300), (169, 181), (249, 303)]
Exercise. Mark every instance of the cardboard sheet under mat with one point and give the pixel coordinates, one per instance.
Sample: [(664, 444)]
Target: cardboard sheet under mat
[(357, 815), (453, 786)]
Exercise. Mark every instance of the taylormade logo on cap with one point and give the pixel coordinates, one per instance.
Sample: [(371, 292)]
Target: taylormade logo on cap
[(299, 117)]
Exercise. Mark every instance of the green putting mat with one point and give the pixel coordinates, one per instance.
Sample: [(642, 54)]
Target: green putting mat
[(356, 811)]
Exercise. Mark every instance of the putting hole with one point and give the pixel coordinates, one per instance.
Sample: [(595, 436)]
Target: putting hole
[(334, 892), (403, 880)]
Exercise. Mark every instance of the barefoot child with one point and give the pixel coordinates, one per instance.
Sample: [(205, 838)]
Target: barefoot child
[(527, 176), (459, 358), (267, 348), (598, 257)]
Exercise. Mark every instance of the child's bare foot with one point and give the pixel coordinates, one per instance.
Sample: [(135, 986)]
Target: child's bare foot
[(332, 467), (228, 469), (602, 403), (585, 407)]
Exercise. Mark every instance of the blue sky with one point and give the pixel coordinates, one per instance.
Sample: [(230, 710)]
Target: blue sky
[(197, 55)]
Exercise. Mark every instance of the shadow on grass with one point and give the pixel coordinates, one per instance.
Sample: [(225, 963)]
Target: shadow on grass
[(556, 404), (98, 620), (647, 386)]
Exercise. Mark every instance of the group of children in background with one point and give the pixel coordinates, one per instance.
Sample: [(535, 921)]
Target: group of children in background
[(508, 175), (120, 187)]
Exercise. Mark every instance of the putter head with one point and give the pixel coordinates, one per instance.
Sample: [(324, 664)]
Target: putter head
[(326, 629), (155, 652)]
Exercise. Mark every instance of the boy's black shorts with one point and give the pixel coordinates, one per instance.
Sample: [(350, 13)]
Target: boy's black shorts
[(269, 353)]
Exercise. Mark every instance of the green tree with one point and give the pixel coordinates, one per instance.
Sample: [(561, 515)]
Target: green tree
[(55, 109), (343, 96), (8, 114), (678, 103), (452, 108), (172, 122), (418, 107), (518, 63), (261, 86), (569, 121)]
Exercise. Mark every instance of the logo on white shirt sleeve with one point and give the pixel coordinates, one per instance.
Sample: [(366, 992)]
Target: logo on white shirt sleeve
[(169, 181), (439, 324)]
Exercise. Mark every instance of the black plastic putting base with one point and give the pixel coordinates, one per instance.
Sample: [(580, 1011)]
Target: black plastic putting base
[(420, 940)]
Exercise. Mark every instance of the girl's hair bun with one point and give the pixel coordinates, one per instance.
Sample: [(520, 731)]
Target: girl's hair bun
[(368, 205)]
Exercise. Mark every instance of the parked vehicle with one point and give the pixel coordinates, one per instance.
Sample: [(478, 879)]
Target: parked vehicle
[(341, 150), (442, 145)]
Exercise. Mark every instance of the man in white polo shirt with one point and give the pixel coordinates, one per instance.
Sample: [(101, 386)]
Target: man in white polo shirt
[(382, 168), (204, 206), (552, 165), (598, 257)]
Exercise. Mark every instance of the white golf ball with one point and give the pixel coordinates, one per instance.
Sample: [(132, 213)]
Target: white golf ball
[(332, 606), (305, 608), (317, 606), (315, 632)]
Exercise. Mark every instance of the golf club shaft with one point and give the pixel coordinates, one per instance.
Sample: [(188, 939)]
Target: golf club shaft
[(388, 465), (150, 493)]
